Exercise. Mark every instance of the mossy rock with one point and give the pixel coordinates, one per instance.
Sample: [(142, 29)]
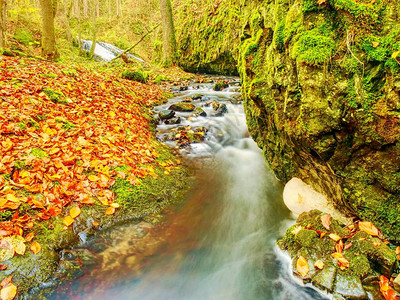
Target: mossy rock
[(182, 107)]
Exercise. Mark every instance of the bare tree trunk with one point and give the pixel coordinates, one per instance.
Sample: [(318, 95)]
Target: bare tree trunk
[(169, 41), (109, 10), (49, 50), (91, 53), (3, 18), (66, 16), (85, 8)]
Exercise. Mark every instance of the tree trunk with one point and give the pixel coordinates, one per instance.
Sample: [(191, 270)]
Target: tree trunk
[(3, 16), (91, 53), (169, 42), (49, 50), (67, 14)]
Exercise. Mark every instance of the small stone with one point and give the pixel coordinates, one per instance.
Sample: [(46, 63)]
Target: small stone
[(325, 278), (349, 286), (173, 121), (396, 283), (166, 114), (200, 112), (197, 97), (182, 107)]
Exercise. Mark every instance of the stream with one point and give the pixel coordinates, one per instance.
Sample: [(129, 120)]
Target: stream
[(221, 243)]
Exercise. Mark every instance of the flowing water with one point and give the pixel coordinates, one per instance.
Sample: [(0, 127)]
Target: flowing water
[(221, 243)]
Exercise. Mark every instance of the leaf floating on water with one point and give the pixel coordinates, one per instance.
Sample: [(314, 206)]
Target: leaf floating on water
[(35, 247), (9, 292), (326, 221), (335, 237), (369, 228), (74, 212), (302, 266), (319, 264), (68, 221)]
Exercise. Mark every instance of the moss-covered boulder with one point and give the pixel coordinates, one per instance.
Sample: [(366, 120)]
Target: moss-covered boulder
[(182, 107), (352, 260)]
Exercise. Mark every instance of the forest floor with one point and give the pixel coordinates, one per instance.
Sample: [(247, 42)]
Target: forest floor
[(76, 146)]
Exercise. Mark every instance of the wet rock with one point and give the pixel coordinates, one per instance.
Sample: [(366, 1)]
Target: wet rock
[(187, 100), (222, 109), (200, 112), (349, 286), (205, 98), (85, 257), (197, 97), (183, 88), (208, 103), (325, 278), (166, 114), (220, 85), (182, 107), (396, 283), (236, 99), (173, 121), (69, 270)]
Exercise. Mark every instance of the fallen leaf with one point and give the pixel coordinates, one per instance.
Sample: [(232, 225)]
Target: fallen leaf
[(74, 212), (302, 266), (369, 228), (326, 221), (114, 204), (375, 44), (68, 221), (93, 178), (319, 264), (29, 237), (3, 267), (386, 290), (339, 246), (35, 247), (348, 245), (334, 237), (110, 210), (95, 223), (9, 292)]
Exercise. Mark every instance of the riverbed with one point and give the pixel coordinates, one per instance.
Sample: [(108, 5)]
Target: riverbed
[(221, 243)]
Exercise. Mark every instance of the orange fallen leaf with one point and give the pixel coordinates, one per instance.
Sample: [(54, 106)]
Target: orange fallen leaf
[(375, 44), (335, 237), (95, 223), (110, 210), (54, 151), (68, 221), (29, 237), (319, 264), (74, 212), (339, 247), (369, 228), (35, 247), (302, 266), (386, 290), (326, 221), (9, 292), (114, 204)]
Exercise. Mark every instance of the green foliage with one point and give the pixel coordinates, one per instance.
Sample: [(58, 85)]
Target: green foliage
[(160, 78), (313, 48), (22, 125), (19, 165), (136, 76), (23, 36), (68, 125), (55, 96), (310, 5), (39, 153), (362, 11), (34, 124)]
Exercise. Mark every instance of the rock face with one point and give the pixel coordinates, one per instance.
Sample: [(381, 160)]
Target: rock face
[(321, 90)]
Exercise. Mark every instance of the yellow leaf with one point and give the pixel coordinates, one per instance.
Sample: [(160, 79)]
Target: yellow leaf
[(335, 237), (93, 178), (302, 266), (326, 221), (112, 114), (368, 227), (115, 205), (68, 221), (54, 151), (319, 264), (375, 44), (110, 210), (3, 201), (74, 212), (12, 198), (24, 174), (35, 247), (9, 292)]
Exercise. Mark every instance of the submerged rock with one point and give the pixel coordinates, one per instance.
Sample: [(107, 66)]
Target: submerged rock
[(200, 112)]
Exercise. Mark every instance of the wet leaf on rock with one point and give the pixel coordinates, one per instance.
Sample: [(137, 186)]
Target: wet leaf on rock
[(35, 247), (319, 264), (67, 221), (302, 266), (8, 292), (386, 290), (326, 221), (74, 212), (335, 237), (369, 228)]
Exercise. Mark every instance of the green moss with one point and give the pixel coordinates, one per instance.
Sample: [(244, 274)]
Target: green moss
[(359, 265), (313, 48), (6, 215), (136, 76), (34, 124), (68, 125), (23, 36), (55, 96), (19, 165), (362, 11), (22, 125), (39, 153), (310, 5)]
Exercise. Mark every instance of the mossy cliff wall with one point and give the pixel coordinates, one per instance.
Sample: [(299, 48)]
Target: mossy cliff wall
[(321, 88)]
